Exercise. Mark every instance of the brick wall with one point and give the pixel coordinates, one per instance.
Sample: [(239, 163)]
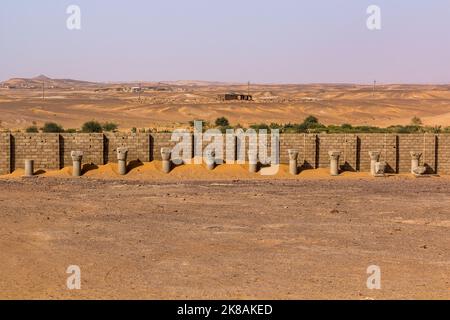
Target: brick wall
[(386, 144), (42, 148), (423, 143), (5, 148), (345, 143), (52, 151), (138, 145), (443, 159), (306, 145), (92, 145), (162, 140)]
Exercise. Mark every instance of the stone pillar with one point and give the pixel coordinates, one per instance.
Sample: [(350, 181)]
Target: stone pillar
[(253, 161), (334, 162), (415, 157), (77, 157), (210, 159), (122, 160), (293, 155), (374, 158), (380, 169), (415, 168), (29, 168), (166, 164)]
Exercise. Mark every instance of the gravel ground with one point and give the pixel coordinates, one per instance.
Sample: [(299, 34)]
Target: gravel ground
[(278, 239)]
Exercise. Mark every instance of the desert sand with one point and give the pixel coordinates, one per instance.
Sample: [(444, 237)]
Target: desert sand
[(174, 105), (216, 239)]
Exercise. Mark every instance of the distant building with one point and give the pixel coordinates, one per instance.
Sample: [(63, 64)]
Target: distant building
[(235, 96)]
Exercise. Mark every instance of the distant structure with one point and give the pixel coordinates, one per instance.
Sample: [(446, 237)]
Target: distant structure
[(235, 96)]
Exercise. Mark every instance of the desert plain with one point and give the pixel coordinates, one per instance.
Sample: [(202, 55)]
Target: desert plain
[(225, 234), (225, 239), (168, 105)]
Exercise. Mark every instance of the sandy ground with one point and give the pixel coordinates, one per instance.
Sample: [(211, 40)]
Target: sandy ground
[(242, 238), (332, 104)]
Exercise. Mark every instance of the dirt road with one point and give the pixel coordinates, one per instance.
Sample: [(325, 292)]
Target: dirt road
[(232, 239)]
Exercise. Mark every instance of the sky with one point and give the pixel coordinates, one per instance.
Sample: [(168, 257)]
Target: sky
[(276, 41)]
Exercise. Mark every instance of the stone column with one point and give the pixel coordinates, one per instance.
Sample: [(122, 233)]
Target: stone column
[(165, 154), (122, 160), (293, 155), (29, 168), (415, 157), (415, 168), (253, 161), (380, 169), (77, 157), (374, 158), (334, 162), (210, 159)]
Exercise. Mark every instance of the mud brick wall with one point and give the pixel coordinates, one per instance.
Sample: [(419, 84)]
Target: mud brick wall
[(386, 144), (424, 143), (243, 144), (5, 153), (345, 143), (306, 145), (138, 145), (231, 147), (92, 145), (42, 148), (52, 150), (162, 140), (443, 148)]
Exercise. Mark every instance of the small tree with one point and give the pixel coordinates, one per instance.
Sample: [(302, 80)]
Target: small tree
[(222, 122), (51, 127), (416, 121), (92, 127), (310, 120), (110, 126), (32, 129)]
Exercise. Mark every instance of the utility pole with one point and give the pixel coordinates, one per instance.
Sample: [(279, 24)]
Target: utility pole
[(140, 88), (43, 90), (374, 84), (248, 88)]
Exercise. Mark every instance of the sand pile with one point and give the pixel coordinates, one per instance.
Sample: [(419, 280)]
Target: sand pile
[(153, 171)]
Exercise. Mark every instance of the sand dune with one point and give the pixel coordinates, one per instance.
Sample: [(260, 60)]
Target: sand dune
[(179, 104)]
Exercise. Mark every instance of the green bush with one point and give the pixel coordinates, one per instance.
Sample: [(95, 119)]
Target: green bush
[(32, 129), (222, 122), (51, 127), (110, 126), (92, 127)]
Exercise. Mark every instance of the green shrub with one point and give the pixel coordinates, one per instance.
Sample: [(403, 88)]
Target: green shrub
[(32, 129), (222, 122), (52, 127), (92, 127), (110, 126)]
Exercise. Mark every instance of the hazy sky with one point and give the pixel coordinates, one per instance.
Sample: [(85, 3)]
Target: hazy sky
[(285, 41)]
